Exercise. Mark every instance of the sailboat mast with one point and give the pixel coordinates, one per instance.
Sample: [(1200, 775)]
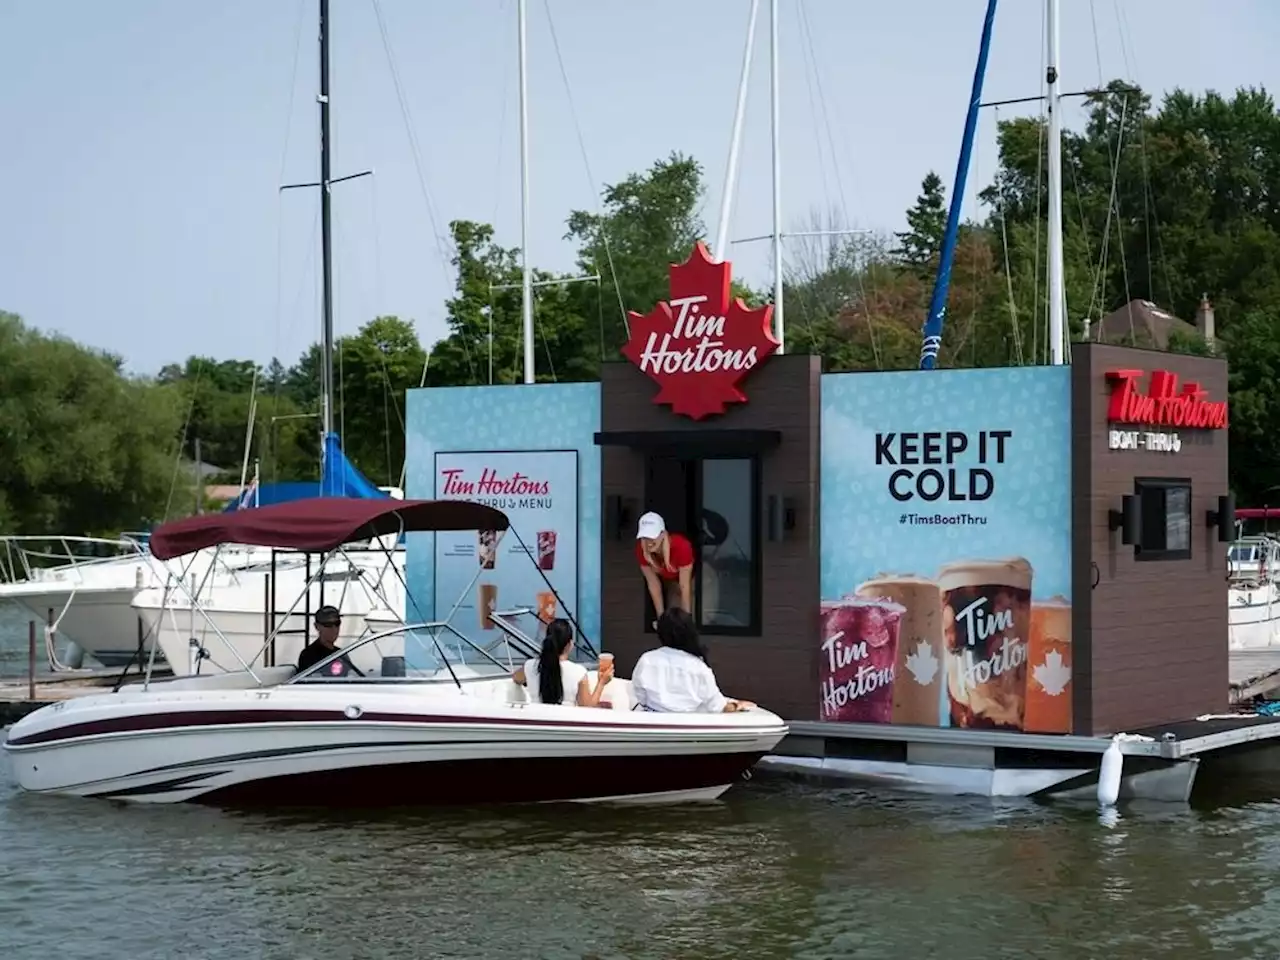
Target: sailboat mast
[(1057, 292), (933, 322), (326, 238), (721, 249), (775, 106), (526, 277)]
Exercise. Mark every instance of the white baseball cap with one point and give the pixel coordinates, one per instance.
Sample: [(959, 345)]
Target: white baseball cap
[(650, 527)]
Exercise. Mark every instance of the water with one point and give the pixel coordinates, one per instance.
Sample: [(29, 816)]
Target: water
[(775, 870), (13, 642)]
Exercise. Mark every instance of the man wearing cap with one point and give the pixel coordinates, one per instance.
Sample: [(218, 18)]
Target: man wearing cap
[(328, 620), (666, 563)]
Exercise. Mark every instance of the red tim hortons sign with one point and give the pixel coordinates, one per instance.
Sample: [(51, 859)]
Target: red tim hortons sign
[(700, 344), (1163, 404)]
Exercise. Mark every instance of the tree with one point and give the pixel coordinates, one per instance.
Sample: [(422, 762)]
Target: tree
[(375, 367), (921, 244), (86, 449), (648, 221)]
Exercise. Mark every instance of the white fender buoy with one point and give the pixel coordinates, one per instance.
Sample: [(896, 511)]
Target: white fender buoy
[(1109, 774)]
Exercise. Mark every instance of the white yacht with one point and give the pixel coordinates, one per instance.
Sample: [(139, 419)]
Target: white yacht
[(82, 588), (1253, 593)]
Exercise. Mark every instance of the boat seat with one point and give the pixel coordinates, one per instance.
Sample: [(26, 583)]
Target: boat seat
[(617, 691)]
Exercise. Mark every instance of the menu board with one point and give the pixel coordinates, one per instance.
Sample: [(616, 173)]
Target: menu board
[(538, 492)]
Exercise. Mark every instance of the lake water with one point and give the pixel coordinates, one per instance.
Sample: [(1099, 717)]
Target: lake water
[(776, 869)]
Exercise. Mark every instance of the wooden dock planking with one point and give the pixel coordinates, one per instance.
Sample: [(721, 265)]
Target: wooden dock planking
[(1254, 673)]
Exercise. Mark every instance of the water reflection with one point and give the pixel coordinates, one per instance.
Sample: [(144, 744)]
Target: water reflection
[(777, 870)]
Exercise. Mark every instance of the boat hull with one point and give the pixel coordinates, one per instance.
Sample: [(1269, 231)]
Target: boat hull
[(261, 748), (100, 620)]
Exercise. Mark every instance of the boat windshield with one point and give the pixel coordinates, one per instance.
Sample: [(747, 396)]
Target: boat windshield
[(437, 652), (1243, 553)]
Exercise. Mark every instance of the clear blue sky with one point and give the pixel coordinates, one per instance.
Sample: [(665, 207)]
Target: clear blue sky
[(144, 140)]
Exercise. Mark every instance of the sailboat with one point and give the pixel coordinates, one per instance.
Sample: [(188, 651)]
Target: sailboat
[(240, 611)]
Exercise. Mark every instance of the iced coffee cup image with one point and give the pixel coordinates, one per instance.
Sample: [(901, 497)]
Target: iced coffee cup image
[(986, 624), (918, 664), (857, 659), (487, 548), (1049, 667), (488, 604), (546, 606), (546, 549)]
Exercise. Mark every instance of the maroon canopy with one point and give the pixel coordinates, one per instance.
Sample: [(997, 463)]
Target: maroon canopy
[(318, 524)]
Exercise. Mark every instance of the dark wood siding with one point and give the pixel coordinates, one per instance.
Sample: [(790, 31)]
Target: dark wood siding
[(779, 668), (1150, 638)]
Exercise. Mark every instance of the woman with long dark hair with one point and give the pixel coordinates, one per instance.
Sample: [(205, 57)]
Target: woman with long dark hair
[(551, 675), (676, 678)]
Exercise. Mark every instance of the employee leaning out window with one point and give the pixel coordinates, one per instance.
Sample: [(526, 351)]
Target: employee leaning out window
[(666, 562)]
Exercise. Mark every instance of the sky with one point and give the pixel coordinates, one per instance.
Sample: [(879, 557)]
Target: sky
[(143, 142)]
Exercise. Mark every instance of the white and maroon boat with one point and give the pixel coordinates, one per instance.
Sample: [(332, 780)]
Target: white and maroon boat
[(458, 730)]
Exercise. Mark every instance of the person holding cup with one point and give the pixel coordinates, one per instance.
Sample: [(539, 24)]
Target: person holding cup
[(551, 675), (666, 563), (676, 678)]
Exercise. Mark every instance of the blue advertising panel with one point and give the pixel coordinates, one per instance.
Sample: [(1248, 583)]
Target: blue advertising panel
[(946, 548)]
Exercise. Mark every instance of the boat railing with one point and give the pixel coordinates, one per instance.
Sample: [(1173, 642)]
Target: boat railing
[(34, 557)]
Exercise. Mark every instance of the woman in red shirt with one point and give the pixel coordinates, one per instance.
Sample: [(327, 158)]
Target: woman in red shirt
[(666, 562)]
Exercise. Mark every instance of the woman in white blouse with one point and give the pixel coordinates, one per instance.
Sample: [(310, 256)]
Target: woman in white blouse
[(552, 677), (675, 678)]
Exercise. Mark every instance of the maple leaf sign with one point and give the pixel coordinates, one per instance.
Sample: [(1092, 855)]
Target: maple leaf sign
[(1053, 674), (699, 345)]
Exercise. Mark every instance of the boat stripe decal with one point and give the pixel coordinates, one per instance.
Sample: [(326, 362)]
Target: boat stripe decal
[(164, 786), (214, 718), (281, 752)]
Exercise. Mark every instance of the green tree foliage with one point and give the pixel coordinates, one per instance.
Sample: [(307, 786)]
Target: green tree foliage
[(84, 448), (921, 244)]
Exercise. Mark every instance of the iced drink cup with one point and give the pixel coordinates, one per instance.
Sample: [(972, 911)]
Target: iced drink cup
[(488, 603), (859, 650), (986, 622), (1049, 667), (606, 659), (487, 548), (917, 670), (546, 549)]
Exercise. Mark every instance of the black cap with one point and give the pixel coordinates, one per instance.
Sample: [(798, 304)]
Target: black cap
[(328, 616)]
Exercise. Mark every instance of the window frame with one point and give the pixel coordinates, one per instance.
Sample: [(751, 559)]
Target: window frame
[(1164, 484), (754, 625)]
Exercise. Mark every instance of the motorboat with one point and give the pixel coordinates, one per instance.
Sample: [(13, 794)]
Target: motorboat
[(1253, 592), (82, 588), (440, 720)]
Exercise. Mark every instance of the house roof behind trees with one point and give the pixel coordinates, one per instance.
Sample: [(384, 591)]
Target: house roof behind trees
[(1141, 323)]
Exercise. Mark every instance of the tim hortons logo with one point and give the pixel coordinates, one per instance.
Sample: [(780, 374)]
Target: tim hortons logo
[(699, 345), (1163, 405)]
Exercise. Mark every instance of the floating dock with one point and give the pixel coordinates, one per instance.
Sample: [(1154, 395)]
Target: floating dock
[(16, 699), (1254, 673), (1159, 763)]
